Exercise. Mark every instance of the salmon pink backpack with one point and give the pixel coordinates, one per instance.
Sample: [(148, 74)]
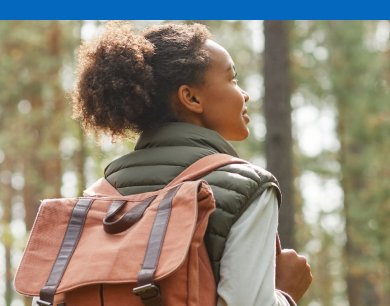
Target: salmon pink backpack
[(108, 249)]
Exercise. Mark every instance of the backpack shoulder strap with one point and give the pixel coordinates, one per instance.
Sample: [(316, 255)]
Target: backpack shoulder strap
[(204, 166)]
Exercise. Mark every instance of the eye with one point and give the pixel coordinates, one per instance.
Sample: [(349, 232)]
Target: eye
[(235, 77)]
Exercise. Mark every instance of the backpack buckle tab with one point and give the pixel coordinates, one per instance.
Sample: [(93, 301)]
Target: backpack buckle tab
[(43, 303)]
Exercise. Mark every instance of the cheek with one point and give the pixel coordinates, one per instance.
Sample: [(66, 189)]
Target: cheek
[(223, 106), (231, 106), (236, 103)]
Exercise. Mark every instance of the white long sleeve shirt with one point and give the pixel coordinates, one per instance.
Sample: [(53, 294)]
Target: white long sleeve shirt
[(248, 263)]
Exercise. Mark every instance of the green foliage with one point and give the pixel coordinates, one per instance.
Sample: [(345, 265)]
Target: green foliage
[(339, 70), (352, 80), (32, 119), (357, 71)]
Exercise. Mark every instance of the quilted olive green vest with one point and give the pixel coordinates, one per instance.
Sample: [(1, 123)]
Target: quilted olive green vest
[(161, 155)]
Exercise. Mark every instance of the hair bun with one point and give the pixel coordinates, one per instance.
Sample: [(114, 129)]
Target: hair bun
[(113, 67), (125, 81)]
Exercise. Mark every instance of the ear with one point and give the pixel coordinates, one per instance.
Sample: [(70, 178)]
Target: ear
[(189, 99)]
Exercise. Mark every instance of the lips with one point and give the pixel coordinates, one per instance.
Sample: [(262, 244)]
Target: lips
[(245, 114)]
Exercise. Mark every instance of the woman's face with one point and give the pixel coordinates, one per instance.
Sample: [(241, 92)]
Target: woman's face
[(223, 101)]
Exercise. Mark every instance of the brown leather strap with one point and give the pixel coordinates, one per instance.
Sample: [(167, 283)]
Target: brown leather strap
[(147, 291), (69, 243), (128, 219), (278, 246), (204, 166)]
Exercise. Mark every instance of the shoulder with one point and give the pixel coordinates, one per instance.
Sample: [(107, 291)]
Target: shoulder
[(251, 171), (245, 180), (245, 174)]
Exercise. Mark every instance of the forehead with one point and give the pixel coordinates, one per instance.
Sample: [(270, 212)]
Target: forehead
[(220, 58)]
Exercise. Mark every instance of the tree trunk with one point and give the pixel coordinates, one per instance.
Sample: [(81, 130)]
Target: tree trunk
[(6, 238), (31, 203), (277, 110), (79, 162)]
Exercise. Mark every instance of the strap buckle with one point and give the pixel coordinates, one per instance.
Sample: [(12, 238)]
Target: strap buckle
[(43, 303), (148, 289), (149, 294)]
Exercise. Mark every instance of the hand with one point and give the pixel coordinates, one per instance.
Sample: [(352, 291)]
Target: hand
[(293, 274)]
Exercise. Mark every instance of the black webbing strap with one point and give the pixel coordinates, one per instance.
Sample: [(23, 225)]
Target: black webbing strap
[(69, 243), (146, 290)]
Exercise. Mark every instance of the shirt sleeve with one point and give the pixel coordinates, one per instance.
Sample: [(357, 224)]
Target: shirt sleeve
[(248, 262)]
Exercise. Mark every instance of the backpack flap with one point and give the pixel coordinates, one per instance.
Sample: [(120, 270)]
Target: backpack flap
[(100, 257)]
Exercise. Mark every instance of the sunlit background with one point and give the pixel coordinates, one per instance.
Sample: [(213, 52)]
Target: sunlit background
[(339, 72)]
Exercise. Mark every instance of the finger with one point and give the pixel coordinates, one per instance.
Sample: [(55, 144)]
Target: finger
[(301, 262)]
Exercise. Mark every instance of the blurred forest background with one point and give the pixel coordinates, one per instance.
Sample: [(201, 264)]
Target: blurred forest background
[(320, 120)]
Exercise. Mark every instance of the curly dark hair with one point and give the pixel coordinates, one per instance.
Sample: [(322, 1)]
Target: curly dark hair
[(125, 81)]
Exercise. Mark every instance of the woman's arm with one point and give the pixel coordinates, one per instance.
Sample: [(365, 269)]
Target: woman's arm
[(248, 263)]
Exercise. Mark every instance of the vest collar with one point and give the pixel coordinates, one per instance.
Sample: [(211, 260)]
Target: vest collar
[(184, 134)]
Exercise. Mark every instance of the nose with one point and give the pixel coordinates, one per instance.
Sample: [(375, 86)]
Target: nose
[(246, 96)]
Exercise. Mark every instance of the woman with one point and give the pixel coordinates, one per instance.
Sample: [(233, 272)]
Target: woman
[(177, 89)]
